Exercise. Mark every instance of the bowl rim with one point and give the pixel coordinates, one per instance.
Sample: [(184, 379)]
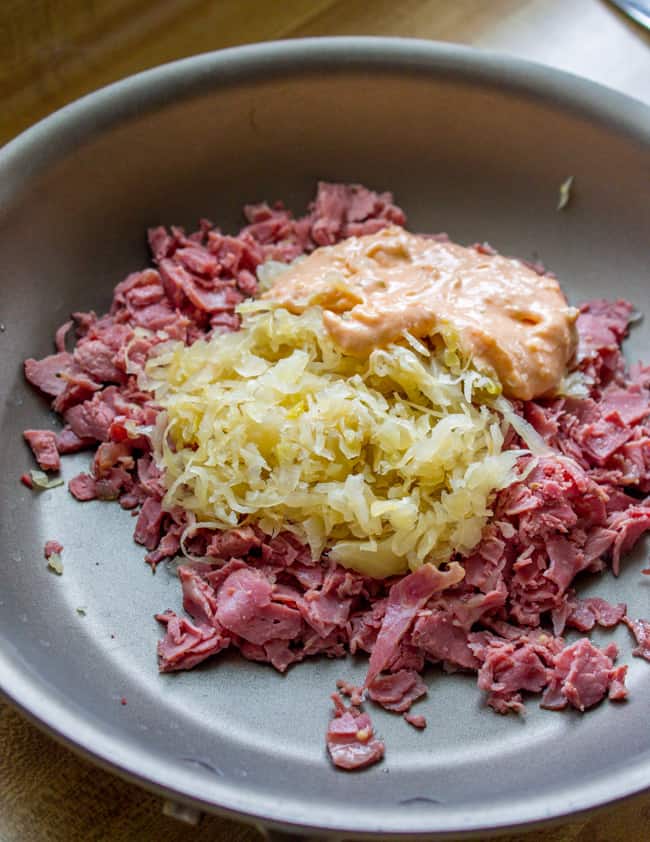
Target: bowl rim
[(41, 145)]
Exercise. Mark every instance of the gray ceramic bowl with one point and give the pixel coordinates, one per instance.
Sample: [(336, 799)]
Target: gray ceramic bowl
[(471, 143)]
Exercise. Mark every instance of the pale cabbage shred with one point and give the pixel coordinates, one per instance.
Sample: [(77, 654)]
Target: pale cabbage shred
[(385, 461)]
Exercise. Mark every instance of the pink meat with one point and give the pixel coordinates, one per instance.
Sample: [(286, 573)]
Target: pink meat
[(441, 640), (199, 260), (629, 526), (341, 211), (61, 335), (147, 528), (78, 387), (186, 645), (566, 561), (98, 361), (45, 374), (441, 631), (92, 418), (83, 487), (416, 720), (581, 676), (69, 442), (397, 691), (641, 631), (350, 738), (244, 607), (624, 406), (52, 547), (324, 612), (584, 614), (199, 598), (617, 691), (43, 445), (508, 668), (405, 599), (235, 543)]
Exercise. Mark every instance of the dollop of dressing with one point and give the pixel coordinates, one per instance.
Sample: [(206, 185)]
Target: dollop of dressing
[(509, 320)]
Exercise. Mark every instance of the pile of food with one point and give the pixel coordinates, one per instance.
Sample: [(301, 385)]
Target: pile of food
[(364, 440)]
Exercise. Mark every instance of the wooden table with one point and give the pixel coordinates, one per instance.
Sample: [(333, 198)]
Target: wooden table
[(53, 51)]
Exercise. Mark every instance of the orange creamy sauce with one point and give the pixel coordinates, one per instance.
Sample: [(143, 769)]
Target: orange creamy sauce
[(508, 319)]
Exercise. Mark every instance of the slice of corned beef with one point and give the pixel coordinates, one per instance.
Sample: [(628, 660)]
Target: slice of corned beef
[(78, 387), (511, 666), (69, 442), (97, 359), (566, 561), (441, 629), (365, 625), (170, 541), (629, 525), (602, 325), (199, 599), (584, 614), (61, 335), (147, 528), (52, 547), (624, 406), (244, 607), (43, 445), (342, 210), (350, 738), (110, 455), (416, 720), (82, 487), (405, 599), (641, 631), (582, 675), (397, 691), (92, 418), (186, 645), (45, 374), (324, 611)]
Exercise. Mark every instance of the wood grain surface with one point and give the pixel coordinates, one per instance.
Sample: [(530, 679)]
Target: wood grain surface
[(53, 51)]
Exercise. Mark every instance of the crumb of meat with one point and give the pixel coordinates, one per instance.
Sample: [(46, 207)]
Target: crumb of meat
[(416, 720)]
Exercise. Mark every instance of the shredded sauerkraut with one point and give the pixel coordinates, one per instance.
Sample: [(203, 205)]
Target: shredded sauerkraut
[(387, 462)]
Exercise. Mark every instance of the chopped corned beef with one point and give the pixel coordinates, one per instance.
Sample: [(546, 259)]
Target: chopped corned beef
[(416, 720), (186, 645), (52, 547), (405, 598), (641, 631), (398, 690), (44, 447), (509, 666), (581, 676), (245, 607), (147, 528), (69, 442), (350, 738), (45, 374), (584, 614), (580, 507), (83, 487)]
